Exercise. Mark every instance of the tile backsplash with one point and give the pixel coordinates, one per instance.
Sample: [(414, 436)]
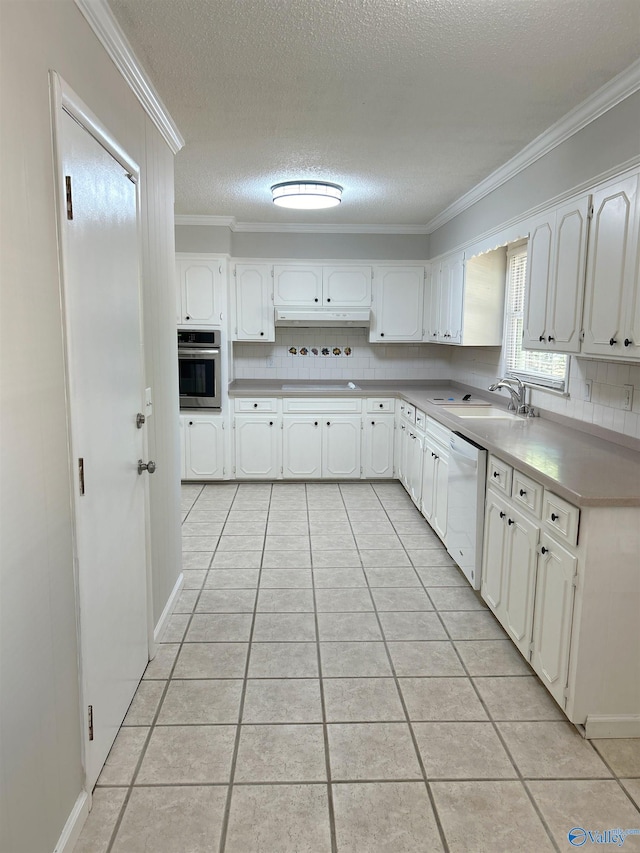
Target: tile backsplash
[(341, 354), (480, 367)]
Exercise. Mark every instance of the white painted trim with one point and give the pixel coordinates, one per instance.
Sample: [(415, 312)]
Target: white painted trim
[(102, 21), (73, 827), (623, 726), (168, 609), (616, 90), (294, 227)]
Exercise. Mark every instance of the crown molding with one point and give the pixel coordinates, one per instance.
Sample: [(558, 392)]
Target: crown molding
[(294, 227), (612, 93), (105, 26)]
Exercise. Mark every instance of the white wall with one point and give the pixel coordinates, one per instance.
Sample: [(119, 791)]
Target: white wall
[(40, 759), (366, 361)]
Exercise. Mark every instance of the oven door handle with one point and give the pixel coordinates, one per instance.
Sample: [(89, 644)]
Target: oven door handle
[(196, 353)]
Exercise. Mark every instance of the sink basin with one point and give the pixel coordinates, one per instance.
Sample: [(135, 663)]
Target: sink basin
[(326, 386), (481, 412)]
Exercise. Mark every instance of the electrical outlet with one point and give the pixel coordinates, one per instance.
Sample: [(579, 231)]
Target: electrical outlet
[(587, 390), (627, 397)]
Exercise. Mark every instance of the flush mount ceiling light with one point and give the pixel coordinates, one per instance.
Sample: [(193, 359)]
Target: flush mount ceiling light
[(306, 195)]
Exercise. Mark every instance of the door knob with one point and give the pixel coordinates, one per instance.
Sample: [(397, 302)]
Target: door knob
[(146, 466)]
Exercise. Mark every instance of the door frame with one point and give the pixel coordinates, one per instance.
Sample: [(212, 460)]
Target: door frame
[(64, 100)]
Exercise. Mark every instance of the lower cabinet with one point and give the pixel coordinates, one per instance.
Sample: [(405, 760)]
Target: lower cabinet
[(378, 438), (435, 483), (258, 443), (315, 446), (202, 447)]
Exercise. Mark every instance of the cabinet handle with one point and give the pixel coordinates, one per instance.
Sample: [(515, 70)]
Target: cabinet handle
[(550, 338), (627, 342), (612, 341), (496, 474), (502, 514), (544, 550), (554, 516), (522, 493), (510, 521), (541, 338)]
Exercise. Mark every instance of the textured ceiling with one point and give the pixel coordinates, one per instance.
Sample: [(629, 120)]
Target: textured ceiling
[(406, 103)]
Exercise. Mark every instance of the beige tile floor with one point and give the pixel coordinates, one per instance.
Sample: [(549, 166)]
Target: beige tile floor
[(329, 682)]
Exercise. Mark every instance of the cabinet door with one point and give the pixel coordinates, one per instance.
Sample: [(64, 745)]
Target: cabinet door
[(201, 292), (564, 322), (341, 439), (204, 443), (539, 271), (495, 535), (455, 300), (519, 578), (430, 309), (297, 284), (378, 446), (183, 449), (254, 303), (441, 496), (429, 473), (553, 616), (258, 447), (415, 457), (301, 447), (397, 304), (347, 287), (611, 261)]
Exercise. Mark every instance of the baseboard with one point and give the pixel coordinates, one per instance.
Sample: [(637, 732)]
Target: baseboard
[(627, 725), (74, 824), (168, 609)]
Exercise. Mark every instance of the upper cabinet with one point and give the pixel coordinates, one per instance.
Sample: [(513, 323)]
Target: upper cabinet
[(398, 299), (465, 300), (201, 289), (254, 319), (612, 303), (556, 260), (314, 285)]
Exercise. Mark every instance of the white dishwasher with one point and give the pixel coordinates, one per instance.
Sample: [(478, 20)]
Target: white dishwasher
[(465, 508)]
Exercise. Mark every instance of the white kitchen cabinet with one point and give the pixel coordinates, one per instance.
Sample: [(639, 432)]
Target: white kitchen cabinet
[(341, 446), (435, 477), (346, 286), (297, 285), (258, 446), (378, 438), (203, 446), (254, 320), (466, 300), (556, 258), (301, 447), (554, 596), (495, 535), (612, 311), (201, 292), (414, 462), (398, 299)]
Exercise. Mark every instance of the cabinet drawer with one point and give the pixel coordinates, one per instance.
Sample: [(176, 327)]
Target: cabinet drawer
[(256, 405), (561, 516), (421, 419), (439, 432), (527, 492), (318, 405), (499, 475), (408, 411), (381, 404)]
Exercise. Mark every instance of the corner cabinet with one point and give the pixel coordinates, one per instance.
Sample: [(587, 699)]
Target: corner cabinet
[(398, 299), (202, 447), (254, 317), (201, 291)]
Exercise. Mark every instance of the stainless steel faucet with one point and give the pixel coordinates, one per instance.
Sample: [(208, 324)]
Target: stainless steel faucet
[(517, 403)]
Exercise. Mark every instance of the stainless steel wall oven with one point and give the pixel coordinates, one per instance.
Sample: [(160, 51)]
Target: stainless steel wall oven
[(199, 353)]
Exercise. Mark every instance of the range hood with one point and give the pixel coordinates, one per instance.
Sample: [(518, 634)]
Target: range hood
[(322, 317)]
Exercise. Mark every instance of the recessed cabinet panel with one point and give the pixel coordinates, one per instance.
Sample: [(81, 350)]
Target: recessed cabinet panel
[(520, 557), (341, 447), (297, 284), (568, 282), (258, 445), (254, 303), (200, 291), (204, 447), (301, 447), (346, 287), (495, 532), (539, 268), (377, 448)]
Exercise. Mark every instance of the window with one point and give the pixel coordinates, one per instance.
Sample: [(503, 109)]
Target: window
[(547, 369)]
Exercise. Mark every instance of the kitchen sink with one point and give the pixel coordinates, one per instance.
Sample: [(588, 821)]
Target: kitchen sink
[(481, 412), (325, 386)]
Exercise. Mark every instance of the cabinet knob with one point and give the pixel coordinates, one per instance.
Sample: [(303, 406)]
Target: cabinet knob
[(544, 550), (187, 317), (541, 338), (510, 521), (328, 423), (373, 423), (328, 300), (554, 516), (261, 334), (627, 342), (270, 423), (381, 405), (496, 474), (316, 299), (315, 423), (255, 405), (190, 423), (382, 334), (550, 338), (612, 342), (522, 493), (502, 514)]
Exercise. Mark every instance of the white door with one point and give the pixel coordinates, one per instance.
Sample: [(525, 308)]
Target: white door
[(254, 303), (204, 442), (301, 447), (341, 446), (105, 375), (258, 441), (347, 287), (377, 447)]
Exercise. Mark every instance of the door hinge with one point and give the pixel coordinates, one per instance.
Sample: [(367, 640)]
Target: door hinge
[(581, 334), (67, 182), (574, 581), (90, 721), (590, 213), (234, 423), (131, 177), (81, 475), (530, 648), (281, 470), (235, 275)]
